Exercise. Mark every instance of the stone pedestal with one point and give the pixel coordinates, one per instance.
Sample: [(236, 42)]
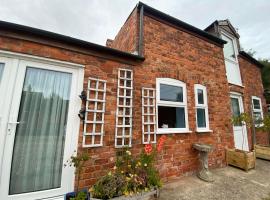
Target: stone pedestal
[(204, 172)]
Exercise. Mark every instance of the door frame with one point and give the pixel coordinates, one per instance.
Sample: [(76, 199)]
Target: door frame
[(71, 142), (239, 96)]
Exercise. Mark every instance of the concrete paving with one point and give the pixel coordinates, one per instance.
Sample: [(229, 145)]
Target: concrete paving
[(230, 184)]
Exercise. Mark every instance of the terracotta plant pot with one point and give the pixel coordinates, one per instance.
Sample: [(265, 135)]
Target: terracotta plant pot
[(262, 152), (242, 159)]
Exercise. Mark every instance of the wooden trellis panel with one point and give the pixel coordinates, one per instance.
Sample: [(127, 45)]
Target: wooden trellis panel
[(93, 130), (148, 115), (123, 128)]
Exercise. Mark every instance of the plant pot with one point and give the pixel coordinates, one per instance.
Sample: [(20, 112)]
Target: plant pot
[(70, 195), (141, 196), (262, 152), (242, 159)]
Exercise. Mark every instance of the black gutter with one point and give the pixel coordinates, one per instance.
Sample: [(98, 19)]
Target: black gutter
[(251, 59), (21, 29), (140, 47), (179, 23)]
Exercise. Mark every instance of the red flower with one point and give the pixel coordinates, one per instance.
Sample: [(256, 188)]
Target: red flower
[(161, 143), (148, 148)]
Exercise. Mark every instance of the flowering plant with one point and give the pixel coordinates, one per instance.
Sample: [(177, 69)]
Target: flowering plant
[(131, 174)]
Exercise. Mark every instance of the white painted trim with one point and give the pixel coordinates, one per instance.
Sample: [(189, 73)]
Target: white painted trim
[(202, 106), (92, 135), (177, 83), (121, 127), (146, 98)]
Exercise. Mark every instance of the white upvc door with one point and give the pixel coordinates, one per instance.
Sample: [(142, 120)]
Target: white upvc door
[(240, 130), (33, 93)]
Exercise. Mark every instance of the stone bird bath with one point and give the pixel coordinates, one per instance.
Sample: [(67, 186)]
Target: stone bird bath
[(204, 172)]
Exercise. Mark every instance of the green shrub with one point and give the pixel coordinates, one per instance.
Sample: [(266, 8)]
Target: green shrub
[(109, 186)]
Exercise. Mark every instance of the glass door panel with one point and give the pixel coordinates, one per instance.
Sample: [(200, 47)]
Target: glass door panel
[(2, 65), (40, 136)]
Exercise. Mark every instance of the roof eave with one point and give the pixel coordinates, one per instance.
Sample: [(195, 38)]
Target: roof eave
[(67, 40), (179, 23), (250, 58)]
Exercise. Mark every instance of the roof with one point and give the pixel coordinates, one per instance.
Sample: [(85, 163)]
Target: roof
[(225, 22), (179, 23), (21, 29), (250, 58)]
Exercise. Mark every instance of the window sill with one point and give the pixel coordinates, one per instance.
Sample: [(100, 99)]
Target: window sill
[(173, 131), (204, 131), (237, 85)]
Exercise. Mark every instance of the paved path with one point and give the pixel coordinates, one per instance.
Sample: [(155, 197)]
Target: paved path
[(230, 184)]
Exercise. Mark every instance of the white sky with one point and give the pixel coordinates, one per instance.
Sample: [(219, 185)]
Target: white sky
[(97, 20)]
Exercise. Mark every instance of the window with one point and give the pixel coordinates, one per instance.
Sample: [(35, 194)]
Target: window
[(171, 106), (202, 119), (229, 49), (231, 62), (257, 109)]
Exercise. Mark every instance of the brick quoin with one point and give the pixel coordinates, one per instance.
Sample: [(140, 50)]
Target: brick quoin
[(169, 52)]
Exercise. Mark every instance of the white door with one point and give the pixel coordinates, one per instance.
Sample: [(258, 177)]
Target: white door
[(240, 130), (39, 127)]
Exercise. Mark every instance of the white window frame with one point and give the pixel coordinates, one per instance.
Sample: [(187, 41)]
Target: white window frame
[(202, 106), (257, 110), (177, 83), (233, 61), (234, 47)]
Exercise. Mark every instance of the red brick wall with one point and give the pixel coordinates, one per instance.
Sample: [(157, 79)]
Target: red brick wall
[(172, 53), (127, 37)]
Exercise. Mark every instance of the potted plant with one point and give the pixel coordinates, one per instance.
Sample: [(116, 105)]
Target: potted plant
[(239, 158), (78, 162), (133, 177), (261, 150)]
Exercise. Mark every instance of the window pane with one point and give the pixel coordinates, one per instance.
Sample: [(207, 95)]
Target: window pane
[(228, 48), (257, 116), (200, 96), (171, 117), (1, 70), (40, 137), (235, 107), (171, 93), (256, 104), (201, 122)]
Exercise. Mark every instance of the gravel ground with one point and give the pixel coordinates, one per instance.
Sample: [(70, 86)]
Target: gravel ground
[(230, 184)]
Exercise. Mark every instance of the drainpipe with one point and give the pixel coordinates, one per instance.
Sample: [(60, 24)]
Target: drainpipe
[(140, 47), (253, 127)]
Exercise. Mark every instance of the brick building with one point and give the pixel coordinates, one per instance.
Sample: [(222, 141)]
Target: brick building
[(158, 76)]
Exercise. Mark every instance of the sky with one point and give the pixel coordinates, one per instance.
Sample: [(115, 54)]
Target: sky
[(97, 20)]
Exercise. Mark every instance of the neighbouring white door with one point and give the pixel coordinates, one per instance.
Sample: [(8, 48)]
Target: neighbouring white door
[(39, 127), (239, 130)]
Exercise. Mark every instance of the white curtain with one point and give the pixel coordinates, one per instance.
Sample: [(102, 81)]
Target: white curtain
[(40, 137), (1, 70)]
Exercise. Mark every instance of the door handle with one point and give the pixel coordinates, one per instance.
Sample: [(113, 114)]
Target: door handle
[(13, 122), (9, 128)]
